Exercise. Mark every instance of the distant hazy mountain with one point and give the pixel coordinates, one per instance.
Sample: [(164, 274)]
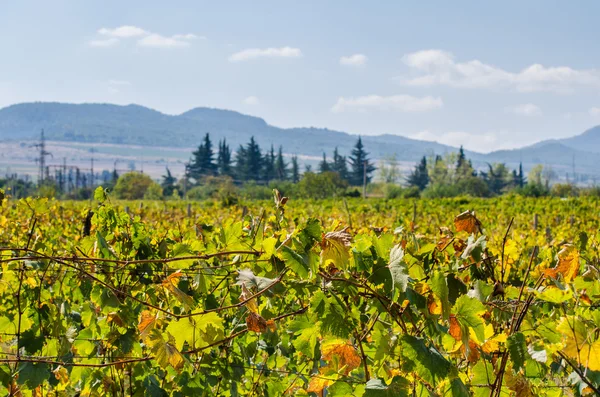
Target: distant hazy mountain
[(138, 125), (133, 124)]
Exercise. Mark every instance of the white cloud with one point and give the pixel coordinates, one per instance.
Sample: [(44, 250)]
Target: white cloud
[(526, 109), (354, 60), (144, 38), (253, 53), (158, 41), (401, 103), (437, 67), (124, 32), (595, 111), (115, 86), (251, 100), (189, 36), (105, 43), (483, 143)]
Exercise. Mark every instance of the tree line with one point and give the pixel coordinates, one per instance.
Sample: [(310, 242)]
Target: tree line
[(251, 163)]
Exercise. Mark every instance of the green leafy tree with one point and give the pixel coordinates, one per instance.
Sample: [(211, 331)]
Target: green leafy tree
[(320, 186), (132, 186), (360, 165)]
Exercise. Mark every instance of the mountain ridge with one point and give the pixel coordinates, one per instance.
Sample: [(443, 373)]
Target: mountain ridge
[(136, 124)]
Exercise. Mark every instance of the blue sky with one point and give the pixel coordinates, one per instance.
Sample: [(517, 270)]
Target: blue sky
[(484, 75)]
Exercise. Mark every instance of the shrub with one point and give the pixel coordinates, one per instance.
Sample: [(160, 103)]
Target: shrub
[(132, 186), (320, 186)]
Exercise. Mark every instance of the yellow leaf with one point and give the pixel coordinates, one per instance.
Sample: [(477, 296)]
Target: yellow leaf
[(147, 323), (335, 247), (568, 263), (317, 384), (340, 354), (256, 323), (251, 304)]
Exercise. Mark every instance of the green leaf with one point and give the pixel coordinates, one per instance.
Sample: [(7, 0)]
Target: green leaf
[(517, 350), (307, 335), (295, 261), (377, 388), (398, 268), (198, 331), (439, 286), (32, 375), (468, 313), (427, 362), (340, 389), (100, 194)]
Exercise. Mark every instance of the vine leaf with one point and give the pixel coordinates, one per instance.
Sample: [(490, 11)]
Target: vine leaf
[(399, 387), (147, 323), (427, 362), (568, 263), (251, 304), (340, 354), (196, 331), (517, 350), (335, 247), (165, 352), (468, 222), (398, 268), (257, 323), (170, 284), (467, 314)]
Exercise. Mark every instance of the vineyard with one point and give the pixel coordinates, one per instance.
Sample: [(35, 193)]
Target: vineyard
[(448, 297)]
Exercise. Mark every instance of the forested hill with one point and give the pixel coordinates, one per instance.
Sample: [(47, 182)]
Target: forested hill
[(134, 124)]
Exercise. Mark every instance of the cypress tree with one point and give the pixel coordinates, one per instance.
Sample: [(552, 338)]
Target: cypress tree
[(324, 165), (202, 162), (224, 159), (249, 162), (359, 163), (269, 165), (168, 183), (295, 169), (281, 167), (420, 176), (340, 164)]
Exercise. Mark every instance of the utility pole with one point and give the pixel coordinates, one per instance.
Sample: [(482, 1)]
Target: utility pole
[(42, 157), (64, 179), (92, 150)]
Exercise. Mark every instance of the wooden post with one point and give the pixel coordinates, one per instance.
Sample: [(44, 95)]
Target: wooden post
[(414, 212), (535, 221), (548, 234), (127, 210), (189, 210), (572, 220)]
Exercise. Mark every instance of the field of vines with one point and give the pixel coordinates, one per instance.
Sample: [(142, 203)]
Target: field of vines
[(457, 297)]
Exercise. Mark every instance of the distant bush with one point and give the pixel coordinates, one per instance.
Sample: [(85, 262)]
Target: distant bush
[(133, 186), (154, 192), (533, 190), (320, 186), (564, 190), (593, 191)]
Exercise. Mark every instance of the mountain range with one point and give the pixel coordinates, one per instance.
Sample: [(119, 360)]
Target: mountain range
[(138, 125)]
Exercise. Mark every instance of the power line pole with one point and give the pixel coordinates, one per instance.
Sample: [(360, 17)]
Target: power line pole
[(42, 157), (92, 150)]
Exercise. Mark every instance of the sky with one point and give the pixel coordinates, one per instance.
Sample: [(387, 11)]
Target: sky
[(486, 76)]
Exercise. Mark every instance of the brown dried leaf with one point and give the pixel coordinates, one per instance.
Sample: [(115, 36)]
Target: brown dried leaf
[(256, 323), (467, 222)]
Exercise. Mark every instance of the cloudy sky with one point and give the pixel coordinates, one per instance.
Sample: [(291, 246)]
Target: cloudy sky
[(466, 72)]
